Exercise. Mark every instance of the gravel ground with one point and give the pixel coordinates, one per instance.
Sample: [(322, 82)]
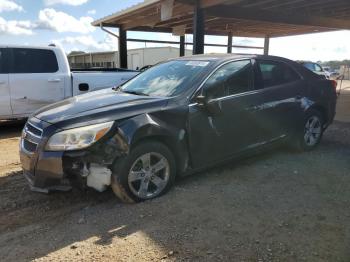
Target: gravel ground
[(278, 206)]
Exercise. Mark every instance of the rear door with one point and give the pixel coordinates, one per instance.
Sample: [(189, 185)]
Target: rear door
[(282, 89), (5, 106), (35, 80)]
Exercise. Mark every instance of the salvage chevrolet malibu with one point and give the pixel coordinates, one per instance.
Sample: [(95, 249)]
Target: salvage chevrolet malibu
[(174, 119)]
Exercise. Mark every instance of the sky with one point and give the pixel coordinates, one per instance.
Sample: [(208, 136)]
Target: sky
[(68, 23)]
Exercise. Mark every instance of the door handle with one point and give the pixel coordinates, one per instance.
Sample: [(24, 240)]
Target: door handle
[(84, 87), (253, 108), (54, 80), (2, 82)]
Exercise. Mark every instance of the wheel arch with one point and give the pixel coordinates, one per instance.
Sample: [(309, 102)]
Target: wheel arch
[(322, 110), (146, 128), (179, 151)]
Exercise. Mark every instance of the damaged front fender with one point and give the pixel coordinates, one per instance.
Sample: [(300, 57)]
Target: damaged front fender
[(148, 126)]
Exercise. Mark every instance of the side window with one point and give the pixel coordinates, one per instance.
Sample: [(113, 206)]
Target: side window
[(3, 61), (276, 73), (232, 78), (34, 61)]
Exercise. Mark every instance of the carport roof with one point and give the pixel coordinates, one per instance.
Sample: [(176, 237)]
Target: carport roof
[(249, 18)]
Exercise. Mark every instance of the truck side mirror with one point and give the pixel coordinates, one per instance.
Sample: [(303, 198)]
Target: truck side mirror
[(84, 87)]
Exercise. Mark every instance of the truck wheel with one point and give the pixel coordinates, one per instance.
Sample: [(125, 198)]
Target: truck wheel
[(147, 172), (310, 134)]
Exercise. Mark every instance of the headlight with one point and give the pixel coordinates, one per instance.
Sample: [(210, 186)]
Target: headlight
[(77, 138)]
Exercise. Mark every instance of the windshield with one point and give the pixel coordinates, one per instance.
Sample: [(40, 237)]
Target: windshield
[(166, 79)]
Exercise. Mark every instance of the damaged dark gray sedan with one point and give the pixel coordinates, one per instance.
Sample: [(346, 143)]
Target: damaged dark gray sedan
[(172, 120)]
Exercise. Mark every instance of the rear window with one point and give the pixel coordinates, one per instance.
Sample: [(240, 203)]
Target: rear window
[(310, 66), (318, 68), (34, 61)]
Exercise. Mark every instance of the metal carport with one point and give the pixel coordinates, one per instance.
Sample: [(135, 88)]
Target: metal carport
[(247, 18)]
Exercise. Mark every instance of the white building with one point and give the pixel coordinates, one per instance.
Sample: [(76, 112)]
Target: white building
[(137, 58)]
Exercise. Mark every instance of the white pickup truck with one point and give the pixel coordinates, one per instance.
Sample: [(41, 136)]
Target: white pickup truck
[(33, 77)]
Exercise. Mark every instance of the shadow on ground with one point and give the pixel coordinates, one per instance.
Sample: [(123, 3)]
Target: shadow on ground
[(11, 129)]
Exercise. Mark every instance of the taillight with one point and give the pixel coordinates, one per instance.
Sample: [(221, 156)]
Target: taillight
[(334, 84)]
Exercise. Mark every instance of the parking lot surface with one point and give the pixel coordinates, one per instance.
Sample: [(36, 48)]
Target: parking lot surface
[(278, 206)]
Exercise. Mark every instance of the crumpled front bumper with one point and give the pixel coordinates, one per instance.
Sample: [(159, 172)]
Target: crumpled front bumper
[(57, 171), (44, 171), (60, 186)]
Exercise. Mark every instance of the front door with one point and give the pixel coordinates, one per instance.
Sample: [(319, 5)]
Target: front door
[(35, 80), (5, 105), (228, 124)]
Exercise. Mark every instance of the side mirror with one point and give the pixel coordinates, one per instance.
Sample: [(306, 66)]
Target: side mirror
[(213, 107), (201, 100)]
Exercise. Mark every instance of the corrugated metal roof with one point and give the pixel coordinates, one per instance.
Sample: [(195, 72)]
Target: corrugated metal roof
[(125, 11), (249, 18)]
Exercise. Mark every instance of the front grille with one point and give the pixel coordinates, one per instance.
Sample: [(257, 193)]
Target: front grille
[(29, 146), (31, 137), (34, 130)]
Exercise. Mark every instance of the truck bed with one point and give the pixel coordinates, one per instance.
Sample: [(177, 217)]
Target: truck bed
[(97, 80), (102, 70)]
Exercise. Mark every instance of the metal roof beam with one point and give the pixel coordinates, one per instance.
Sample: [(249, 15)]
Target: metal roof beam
[(277, 17)]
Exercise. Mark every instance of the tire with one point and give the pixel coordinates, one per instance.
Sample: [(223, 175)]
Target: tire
[(309, 135), (147, 172)]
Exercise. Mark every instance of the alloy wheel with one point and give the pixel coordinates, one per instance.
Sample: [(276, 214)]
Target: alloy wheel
[(149, 175), (313, 131)]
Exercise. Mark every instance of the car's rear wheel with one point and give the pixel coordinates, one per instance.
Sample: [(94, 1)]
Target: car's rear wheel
[(310, 134), (147, 172)]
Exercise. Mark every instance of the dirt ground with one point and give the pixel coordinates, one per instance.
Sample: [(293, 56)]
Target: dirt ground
[(278, 206)]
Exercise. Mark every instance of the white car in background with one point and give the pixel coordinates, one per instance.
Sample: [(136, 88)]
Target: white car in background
[(316, 68), (33, 77)]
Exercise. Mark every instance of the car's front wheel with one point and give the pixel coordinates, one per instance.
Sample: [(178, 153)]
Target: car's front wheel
[(147, 172), (310, 134)]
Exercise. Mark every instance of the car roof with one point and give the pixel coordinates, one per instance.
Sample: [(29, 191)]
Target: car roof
[(213, 57), (226, 57), (305, 61), (222, 58)]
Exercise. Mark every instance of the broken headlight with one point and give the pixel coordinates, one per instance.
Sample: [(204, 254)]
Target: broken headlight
[(77, 138)]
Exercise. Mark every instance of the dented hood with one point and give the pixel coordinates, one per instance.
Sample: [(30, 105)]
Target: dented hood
[(99, 106)]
